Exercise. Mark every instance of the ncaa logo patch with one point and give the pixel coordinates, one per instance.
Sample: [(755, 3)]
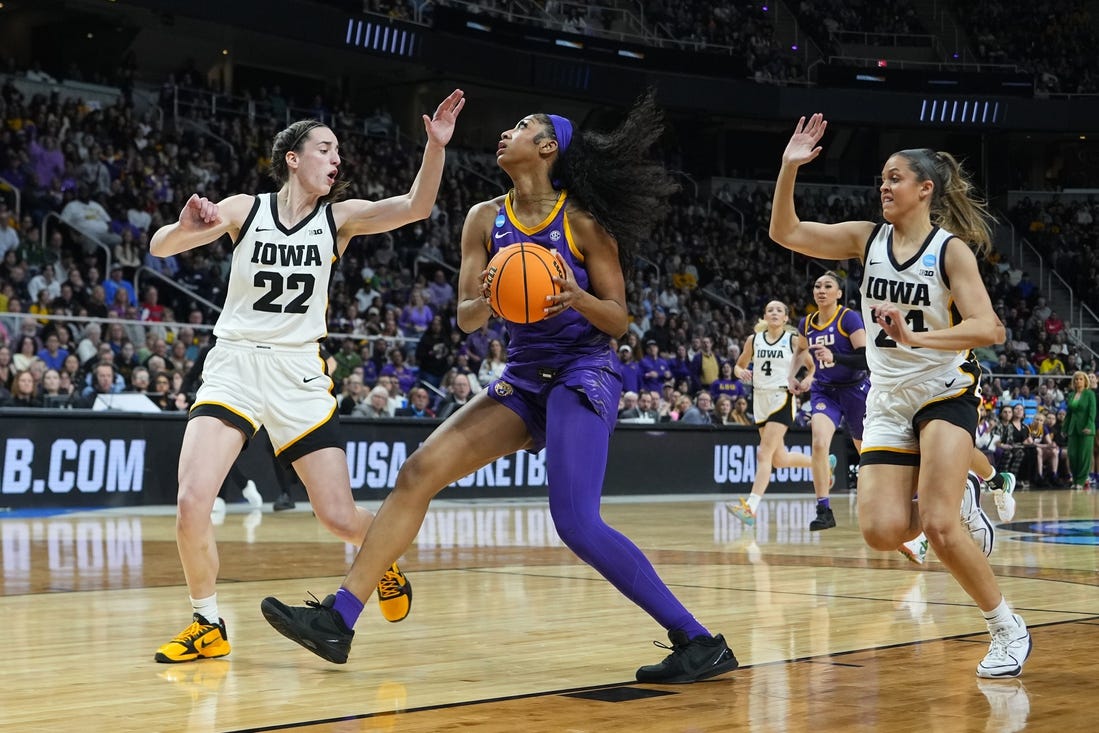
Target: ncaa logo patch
[(503, 389), (499, 221), (928, 260)]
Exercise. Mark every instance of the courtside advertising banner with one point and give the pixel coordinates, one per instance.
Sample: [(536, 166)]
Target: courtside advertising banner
[(84, 459)]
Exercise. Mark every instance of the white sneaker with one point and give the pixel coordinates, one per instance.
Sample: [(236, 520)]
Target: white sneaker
[(1009, 705), (974, 518), (217, 514), (1005, 501), (915, 550), (1010, 647), (251, 494), (253, 520)]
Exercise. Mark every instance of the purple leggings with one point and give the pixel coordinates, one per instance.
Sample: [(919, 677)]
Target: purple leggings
[(577, 441)]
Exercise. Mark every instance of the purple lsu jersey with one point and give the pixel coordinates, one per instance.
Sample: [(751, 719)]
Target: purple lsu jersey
[(836, 336), (838, 392), (566, 338)]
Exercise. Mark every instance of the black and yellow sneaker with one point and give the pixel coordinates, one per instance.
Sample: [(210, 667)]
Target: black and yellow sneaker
[(691, 660), (317, 626), (394, 595), (201, 639)]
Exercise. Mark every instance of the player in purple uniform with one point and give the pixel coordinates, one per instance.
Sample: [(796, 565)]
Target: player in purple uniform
[(591, 198), (837, 383)]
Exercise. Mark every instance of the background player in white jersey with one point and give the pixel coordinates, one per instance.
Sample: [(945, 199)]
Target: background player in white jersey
[(925, 306), (771, 351), (266, 368)]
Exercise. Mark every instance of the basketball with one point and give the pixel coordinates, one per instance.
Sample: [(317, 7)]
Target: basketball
[(520, 276)]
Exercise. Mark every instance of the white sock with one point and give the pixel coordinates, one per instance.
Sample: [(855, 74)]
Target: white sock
[(207, 608), (754, 501), (999, 615), (990, 476)]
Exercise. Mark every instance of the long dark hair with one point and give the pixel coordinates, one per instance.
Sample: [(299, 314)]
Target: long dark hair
[(613, 176), (954, 204), (292, 138)]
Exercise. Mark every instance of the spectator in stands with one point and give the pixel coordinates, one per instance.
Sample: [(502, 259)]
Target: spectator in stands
[(161, 392), (416, 316), (701, 412), (1047, 452), (52, 355), (628, 409), (375, 405), (7, 368), (127, 253), (433, 354), (24, 391), (397, 396), (354, 392), (139, 380), (461, 366), (419, 405), (347, 359), (477, 343), (44, 282), (460, 393), (46, 159), (104, 381), (151, 309), (9, 237), (53, 392), (114, 284), (727, 384), (629, 369), (741, 415), (680, 364), (403, 375), (87, 216), (654, 367), (1054, 325), (440, 292), (1051, 364), (492, 366), (26, 351)]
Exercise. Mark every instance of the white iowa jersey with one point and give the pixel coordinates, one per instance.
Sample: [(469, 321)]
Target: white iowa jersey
[(771, 362), (278, 282), (919, 288)]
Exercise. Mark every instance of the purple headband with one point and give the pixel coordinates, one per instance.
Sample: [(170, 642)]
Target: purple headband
[(562, 128)]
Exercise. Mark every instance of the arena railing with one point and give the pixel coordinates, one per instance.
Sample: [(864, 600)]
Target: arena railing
[(189, 292)]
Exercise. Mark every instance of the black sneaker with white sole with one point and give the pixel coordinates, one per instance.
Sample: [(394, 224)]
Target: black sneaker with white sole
[(691, 660), (825, 519), (316, 626)]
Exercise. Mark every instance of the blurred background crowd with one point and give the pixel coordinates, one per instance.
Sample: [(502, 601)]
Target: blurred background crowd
[(85, 310)]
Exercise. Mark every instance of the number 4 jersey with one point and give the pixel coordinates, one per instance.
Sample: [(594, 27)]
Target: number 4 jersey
[(920, 289), (278, 282)]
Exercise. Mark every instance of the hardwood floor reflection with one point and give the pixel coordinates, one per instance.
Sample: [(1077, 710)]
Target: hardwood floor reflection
[(510, 632)]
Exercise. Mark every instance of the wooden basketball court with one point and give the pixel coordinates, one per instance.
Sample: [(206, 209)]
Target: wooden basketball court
[(509, 632)]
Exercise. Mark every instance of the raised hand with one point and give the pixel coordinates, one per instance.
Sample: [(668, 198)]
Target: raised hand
[(803, 147), (441, 127)]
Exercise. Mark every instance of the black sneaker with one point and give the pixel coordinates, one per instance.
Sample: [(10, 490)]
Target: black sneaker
[(317, 627), (691, 660), (283, 503), (825, 519)]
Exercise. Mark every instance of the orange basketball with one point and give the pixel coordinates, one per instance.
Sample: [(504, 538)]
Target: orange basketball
[(520, 276)]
